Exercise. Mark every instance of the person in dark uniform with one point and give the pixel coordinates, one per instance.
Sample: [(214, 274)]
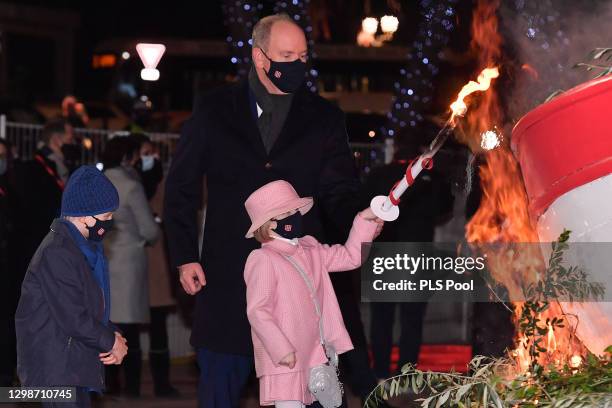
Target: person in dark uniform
[(39, 183), (424, 205), (11, 278), (265, 128)]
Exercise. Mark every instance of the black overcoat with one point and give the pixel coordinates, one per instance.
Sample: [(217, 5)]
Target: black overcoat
[(221, 140)]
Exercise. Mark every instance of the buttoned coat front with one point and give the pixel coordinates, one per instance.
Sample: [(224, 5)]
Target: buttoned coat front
[(280, 307)]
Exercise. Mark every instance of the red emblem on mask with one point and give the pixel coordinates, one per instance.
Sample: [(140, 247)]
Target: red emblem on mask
[(288, 228), (277, 74)]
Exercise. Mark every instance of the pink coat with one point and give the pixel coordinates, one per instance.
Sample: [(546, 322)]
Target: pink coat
[(282, 314)]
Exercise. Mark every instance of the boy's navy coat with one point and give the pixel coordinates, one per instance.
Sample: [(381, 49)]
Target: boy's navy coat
[(59, 318)]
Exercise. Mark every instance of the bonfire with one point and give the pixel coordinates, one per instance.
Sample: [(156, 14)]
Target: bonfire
[(555, 361)]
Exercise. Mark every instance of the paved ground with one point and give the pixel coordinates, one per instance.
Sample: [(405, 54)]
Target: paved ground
[(184, 377)]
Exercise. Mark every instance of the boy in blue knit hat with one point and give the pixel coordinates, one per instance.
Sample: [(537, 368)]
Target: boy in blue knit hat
[(64, 336)]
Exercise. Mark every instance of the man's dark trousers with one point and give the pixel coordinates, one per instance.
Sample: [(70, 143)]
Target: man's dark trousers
[(222, 377)]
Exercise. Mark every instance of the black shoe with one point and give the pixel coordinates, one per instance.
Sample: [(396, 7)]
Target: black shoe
[(160, 370), (167, 391), (131, 394)]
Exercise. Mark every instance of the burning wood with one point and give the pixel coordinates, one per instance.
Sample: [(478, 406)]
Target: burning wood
[(503, 215)]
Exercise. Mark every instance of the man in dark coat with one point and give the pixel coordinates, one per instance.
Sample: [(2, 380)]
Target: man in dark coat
[(266, 128)]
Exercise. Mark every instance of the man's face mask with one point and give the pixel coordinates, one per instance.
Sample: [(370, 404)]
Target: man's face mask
[(290, 227), (286, 76), (99, 229)]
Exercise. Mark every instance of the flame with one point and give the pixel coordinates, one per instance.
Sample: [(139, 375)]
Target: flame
[(459, 107), (531, 71), (503, 214), (551, 341)]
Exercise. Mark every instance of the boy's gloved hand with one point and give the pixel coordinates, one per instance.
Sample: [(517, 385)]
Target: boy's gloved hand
[(116, 355)]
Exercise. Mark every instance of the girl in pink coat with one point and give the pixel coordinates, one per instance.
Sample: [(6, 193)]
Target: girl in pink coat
[(284, 321)]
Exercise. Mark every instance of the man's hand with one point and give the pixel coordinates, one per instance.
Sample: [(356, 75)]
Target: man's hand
[(118, 352), (288, 360), (192, 277)]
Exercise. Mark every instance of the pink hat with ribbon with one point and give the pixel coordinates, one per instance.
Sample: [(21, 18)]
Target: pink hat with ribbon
[(271, 200)]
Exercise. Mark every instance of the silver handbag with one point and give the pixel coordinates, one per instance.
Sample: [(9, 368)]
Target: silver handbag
[(323, 382)]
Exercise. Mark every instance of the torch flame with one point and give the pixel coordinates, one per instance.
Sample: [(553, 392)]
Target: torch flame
[(551, 343), (459, 107)]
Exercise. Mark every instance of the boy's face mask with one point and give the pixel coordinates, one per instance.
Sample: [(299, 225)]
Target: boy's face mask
[(99, 229), (290, 227)]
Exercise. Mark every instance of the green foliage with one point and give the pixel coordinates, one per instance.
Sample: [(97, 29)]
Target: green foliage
[(494, 382), (599, 60), (491, 384), (560, 283)]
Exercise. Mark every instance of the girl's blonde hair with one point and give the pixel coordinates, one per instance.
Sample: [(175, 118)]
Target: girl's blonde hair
[(262, 234)]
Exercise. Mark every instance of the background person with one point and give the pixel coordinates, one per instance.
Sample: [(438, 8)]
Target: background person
[(427, 203), (12, 278), (135, 228), (161, 297)]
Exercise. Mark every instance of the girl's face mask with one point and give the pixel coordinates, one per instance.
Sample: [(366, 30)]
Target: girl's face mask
[(290, 227)]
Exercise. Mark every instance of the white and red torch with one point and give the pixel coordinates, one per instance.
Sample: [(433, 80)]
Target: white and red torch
[(386, 207)]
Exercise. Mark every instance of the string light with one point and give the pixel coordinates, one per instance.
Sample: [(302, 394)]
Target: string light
[(240, 17), (416, 78)]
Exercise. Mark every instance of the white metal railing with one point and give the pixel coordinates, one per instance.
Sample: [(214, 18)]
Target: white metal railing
[(25, 137)]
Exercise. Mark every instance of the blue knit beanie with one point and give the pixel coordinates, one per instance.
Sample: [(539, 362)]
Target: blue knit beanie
[(89, 192)]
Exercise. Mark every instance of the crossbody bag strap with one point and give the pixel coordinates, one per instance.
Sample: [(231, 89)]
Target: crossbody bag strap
[(312, 295)]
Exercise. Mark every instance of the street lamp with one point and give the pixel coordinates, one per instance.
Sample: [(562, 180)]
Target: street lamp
[(150, 55), (367, 37), (389, 24), (369, 25)]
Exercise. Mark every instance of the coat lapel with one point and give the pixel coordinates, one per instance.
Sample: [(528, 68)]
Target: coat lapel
[(294, 127), (245, 120), (295, 124)]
